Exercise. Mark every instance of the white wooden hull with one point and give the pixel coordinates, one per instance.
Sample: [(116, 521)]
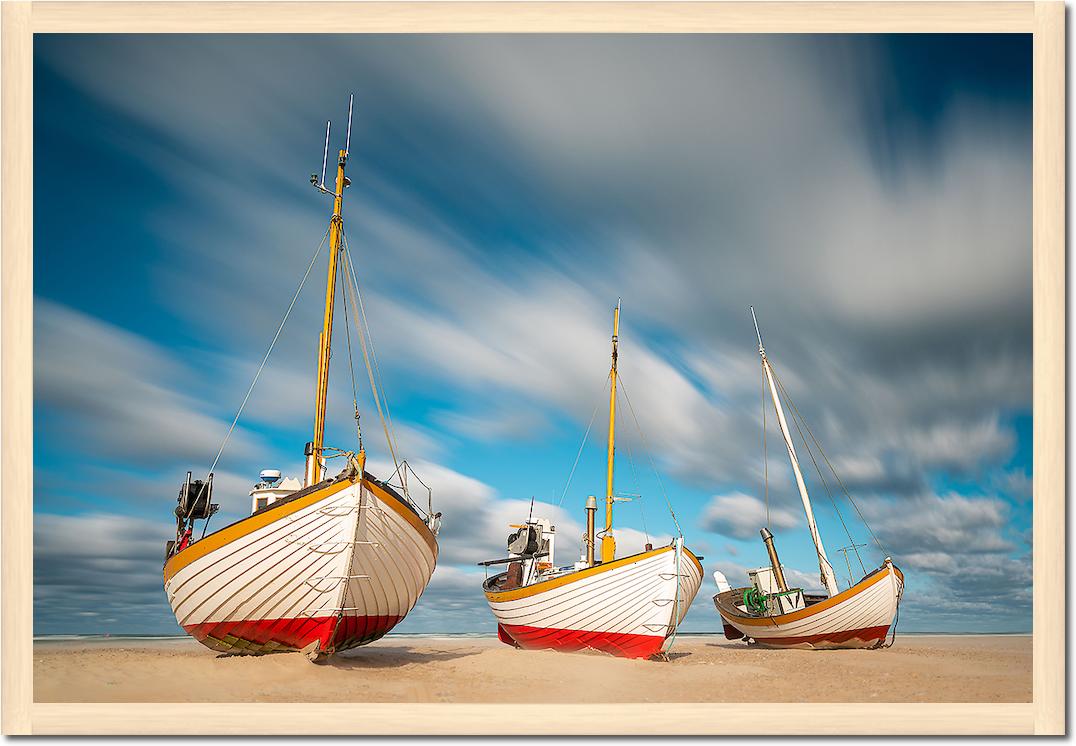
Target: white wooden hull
[(859, 617), (339, 565), (627, 608)]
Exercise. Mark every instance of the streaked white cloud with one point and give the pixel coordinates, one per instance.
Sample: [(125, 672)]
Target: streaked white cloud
[(740, 516), (119, 394)]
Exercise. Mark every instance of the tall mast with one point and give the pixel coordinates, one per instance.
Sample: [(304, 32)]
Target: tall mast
[(608, 542), (314, 448), (828, 578)]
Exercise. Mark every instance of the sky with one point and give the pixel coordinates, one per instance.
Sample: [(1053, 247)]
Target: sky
[(869, 195)]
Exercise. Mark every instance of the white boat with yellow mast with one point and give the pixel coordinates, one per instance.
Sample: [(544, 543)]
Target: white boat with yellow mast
[(322, 566), (629, 606), (771, 613)]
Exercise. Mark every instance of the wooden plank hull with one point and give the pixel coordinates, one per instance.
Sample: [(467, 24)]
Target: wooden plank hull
[(339, 565), (626, 608), (859, 617)]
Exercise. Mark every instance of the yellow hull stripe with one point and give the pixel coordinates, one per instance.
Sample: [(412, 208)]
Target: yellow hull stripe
[(689, 553), (547, 585), (252, 523), (813, 609)]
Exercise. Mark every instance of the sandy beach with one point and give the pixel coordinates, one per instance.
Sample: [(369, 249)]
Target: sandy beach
[(401, 669)]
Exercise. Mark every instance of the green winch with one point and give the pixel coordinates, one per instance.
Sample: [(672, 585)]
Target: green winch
[(755, 601)]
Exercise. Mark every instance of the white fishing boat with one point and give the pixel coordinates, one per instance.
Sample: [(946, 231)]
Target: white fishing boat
[(771, 613), (320, 566), (629, 606)]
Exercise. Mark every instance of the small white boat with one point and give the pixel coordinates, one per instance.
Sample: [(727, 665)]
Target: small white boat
[(322, 566), (629, 607), (859, 617), (770, 613)]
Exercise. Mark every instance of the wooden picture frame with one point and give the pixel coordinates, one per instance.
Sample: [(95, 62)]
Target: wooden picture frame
[(1045, 20)]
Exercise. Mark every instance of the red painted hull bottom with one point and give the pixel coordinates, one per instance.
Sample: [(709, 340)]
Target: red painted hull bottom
[(854, 638), (257, 636), (570, 640)]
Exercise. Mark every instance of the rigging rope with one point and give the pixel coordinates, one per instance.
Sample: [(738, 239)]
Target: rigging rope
[(765, 451), (356, 307), (649, 455), (351, 367), (795, 421), (893, 628), (370, 341), (837, 476), (270, 350), (638, 486), (582, 444)]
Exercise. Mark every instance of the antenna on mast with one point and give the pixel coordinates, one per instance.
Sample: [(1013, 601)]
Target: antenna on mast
[(347, 144), (325, 155), (761, 349), (853, 547)]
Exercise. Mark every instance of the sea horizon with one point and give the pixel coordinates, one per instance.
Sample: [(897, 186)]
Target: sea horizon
[(102, 637)]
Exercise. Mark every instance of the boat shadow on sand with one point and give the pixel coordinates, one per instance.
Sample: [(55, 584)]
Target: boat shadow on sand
[(374, 658), (394, 657)]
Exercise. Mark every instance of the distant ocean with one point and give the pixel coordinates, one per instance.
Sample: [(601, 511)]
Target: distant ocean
[(103, 638)]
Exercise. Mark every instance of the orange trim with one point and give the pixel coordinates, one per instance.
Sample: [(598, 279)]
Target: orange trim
[(548, 585), (813, 609), (702, 572), (248, 525), (406, 513), (243, 527)]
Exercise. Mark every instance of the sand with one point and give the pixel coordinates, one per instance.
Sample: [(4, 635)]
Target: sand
[(402, 669)]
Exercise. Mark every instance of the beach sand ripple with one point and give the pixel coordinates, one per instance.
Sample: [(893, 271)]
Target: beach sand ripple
[(399, 669)]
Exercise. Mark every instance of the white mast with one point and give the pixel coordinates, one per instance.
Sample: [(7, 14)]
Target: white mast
[(828, 578)]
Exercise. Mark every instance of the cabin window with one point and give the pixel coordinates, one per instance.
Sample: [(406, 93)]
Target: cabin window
[(260, 503)]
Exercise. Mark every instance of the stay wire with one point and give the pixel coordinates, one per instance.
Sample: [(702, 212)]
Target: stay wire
[(351, 367), (649, 455), (638, 486), (797, 418), (841, 483), (373, 352), (582, 444), (268, 352), (765, 451), (375, 391)]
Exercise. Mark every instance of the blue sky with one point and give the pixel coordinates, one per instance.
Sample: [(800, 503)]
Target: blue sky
[(870, 195)]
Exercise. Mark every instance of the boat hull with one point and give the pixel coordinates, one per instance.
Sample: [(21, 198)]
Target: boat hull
[(859, 617), (629, 608), (328, 569)]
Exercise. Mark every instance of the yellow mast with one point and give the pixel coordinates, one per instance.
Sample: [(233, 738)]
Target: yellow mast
[(608, 542), (314, 448)]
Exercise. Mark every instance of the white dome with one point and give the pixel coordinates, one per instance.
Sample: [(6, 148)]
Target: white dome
[(269, 475)]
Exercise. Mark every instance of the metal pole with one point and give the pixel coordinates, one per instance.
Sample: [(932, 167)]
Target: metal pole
[(775, 563), (592, 508)]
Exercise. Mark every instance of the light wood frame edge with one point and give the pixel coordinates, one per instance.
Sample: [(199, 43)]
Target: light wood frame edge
[(16, 385), (373, 719), (530, 16), (1049, 404), (1045, 715)]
